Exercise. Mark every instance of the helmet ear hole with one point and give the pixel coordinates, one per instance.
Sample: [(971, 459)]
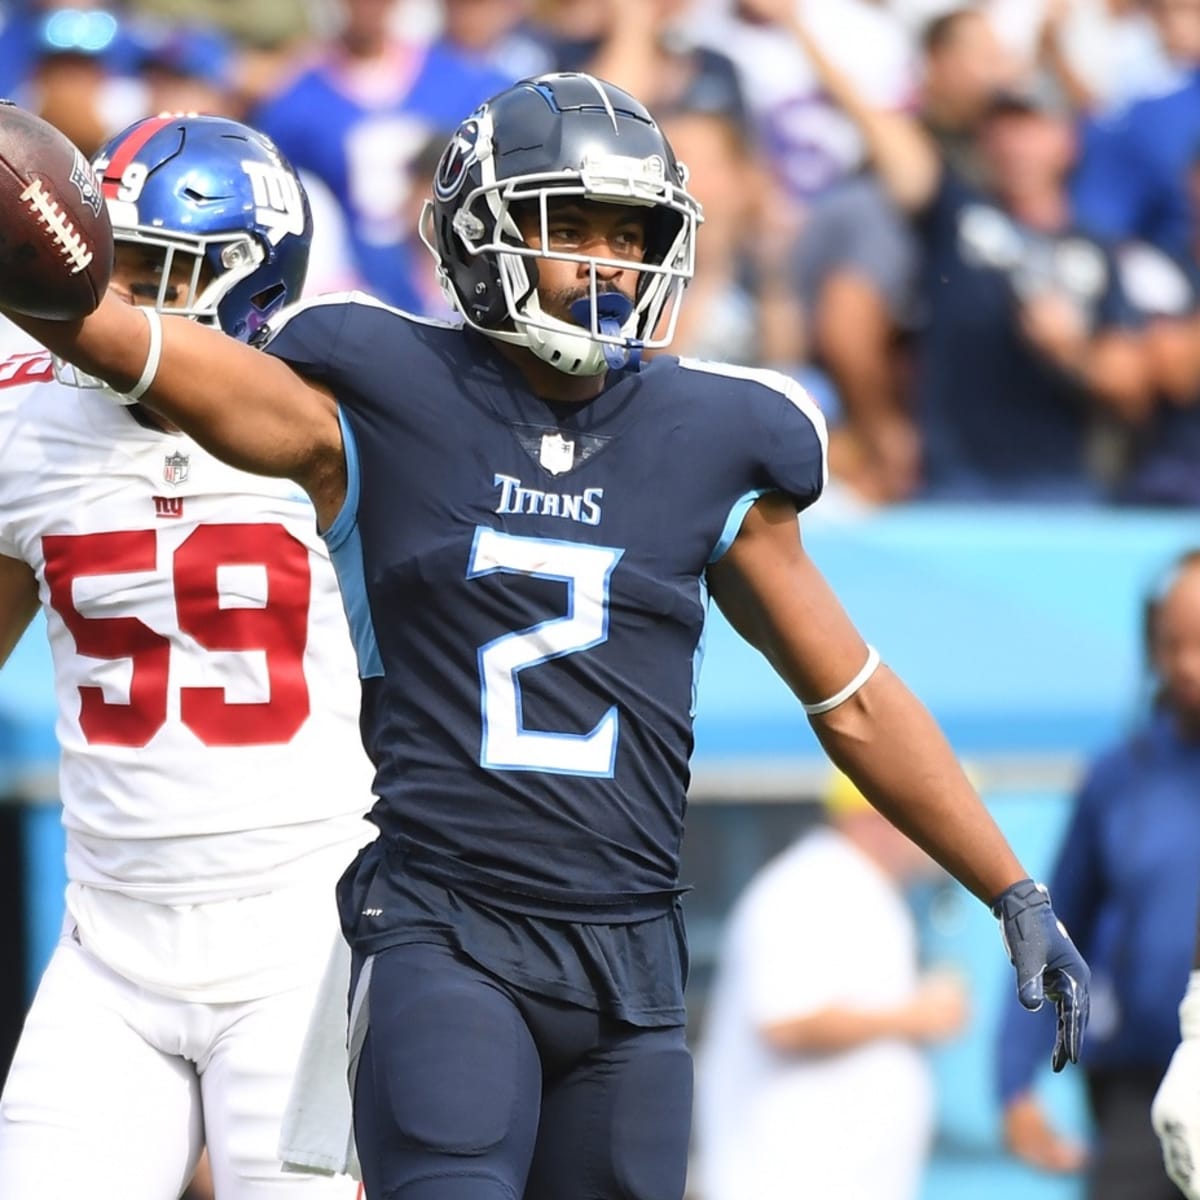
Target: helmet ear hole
[(268, 297)]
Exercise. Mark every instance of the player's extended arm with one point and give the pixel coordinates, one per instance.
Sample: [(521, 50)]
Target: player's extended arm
[(246, 407), (885, 740), (18, 602), (1175, 1112), (882, 737)]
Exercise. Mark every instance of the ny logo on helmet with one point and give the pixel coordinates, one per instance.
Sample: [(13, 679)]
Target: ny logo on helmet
[(278, 204)]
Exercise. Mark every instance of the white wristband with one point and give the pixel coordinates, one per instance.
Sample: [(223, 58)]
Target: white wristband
[(823, 706), (1189, 1008), (150, 370)]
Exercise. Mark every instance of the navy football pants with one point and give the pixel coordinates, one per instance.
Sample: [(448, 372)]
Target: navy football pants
[(469, 1089)]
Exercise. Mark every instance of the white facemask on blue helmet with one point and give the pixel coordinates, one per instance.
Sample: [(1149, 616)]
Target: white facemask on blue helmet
[(218, 198)]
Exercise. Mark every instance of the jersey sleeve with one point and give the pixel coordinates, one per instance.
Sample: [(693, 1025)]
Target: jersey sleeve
[(770, 425), (796, 456), (309, 336)]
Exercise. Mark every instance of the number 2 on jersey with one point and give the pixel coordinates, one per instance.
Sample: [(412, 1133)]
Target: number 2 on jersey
[(586, 570), (278, 630)]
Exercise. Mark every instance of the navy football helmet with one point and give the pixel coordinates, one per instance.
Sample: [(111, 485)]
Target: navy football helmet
[(220, 197), (562, 135)]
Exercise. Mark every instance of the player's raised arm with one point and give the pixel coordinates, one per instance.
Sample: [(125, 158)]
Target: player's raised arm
[(886, 741), (55, 264), (244, 406)]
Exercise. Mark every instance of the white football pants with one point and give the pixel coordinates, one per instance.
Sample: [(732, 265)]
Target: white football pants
[(114, 1091)]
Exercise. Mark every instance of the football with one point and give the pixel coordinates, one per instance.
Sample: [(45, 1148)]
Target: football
[(56, 244)]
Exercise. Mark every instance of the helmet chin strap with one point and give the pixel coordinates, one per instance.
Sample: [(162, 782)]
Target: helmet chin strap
[(612, 311)]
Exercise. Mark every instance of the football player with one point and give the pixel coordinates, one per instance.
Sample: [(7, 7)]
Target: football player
[(212, 777), (527, 522)]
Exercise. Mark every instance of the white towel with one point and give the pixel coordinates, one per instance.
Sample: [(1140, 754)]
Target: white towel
[(317, 1134)]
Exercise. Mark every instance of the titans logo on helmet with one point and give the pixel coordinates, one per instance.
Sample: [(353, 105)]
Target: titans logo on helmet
[(458, 158)]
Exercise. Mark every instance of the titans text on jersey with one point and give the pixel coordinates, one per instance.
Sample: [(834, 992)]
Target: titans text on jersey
[(538, 600)]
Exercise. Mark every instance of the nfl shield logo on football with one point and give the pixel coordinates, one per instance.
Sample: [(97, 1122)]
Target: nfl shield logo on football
[(175, 468), (557, 454), (85, 183)]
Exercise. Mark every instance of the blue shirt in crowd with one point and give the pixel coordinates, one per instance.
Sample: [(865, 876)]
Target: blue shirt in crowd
[(1132, 180), (1125, 885), (362, 139)]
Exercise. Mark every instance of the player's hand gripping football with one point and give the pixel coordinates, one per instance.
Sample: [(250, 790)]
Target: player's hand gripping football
[(56, 243), (1175, 1112), (1046, 962)]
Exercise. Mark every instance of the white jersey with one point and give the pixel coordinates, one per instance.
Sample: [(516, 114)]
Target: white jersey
[(206, 684)]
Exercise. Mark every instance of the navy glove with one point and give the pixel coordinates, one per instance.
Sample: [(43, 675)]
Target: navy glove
[(1047, 963)]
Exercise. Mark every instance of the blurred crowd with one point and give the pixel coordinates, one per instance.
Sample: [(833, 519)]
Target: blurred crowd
[(971, 229)]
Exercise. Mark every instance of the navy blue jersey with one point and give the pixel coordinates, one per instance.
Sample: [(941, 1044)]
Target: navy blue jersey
[(525, 583)]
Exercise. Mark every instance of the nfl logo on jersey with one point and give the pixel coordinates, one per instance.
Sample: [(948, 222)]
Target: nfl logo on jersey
[(175, 468), (557, 454)]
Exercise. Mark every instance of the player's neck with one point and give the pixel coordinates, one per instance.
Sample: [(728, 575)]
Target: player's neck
[(549, 383)]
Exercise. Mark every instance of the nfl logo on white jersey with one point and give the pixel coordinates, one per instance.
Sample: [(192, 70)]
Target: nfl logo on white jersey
[(175, 468), (557, 454)]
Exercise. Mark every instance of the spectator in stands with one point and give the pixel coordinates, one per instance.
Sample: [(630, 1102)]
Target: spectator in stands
[(1125, 880), (77, 72), (857, 255), (1102, 54), (809, 140), (1132, 178), (264, 25), (734, 313), (189, 69), (647, 48), (1162, 459), (358, 114), (1029, 340), (497, 32), (817, 1023)]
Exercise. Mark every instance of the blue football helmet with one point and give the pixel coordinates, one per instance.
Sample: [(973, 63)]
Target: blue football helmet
[(219, 196), (560, 135)]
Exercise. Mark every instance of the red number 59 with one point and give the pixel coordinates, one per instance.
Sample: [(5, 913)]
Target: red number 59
[(279, 630)]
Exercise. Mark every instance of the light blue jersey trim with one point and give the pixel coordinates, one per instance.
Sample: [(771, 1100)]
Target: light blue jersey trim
[(345, 551), (733, 523), (698, 653)]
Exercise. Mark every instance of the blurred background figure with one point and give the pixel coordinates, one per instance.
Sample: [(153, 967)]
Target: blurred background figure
[(1132, 179), (858, 257), (1125, 880), (740, 306), (186, 68), (357, 113), (811, 1075), (647, 47), (73, 67), (1097, 54)]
